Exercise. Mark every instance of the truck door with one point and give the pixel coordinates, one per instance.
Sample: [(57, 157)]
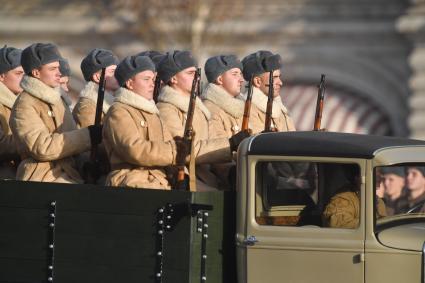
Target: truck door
[(305, 221)]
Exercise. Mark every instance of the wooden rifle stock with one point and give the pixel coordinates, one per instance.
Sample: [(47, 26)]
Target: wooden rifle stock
[(247, 109), (269, 109), (319, 104), (188, 129)]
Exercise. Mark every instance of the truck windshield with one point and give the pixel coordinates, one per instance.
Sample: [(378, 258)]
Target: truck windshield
[(400, 192)]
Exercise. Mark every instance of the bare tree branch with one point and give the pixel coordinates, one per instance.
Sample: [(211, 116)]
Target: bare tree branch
[(168, 24)]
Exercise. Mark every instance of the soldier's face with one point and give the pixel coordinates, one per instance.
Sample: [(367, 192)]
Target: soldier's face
[(64, 83), (277, 83), (183, 80), (393, 184), (231, 81), (12, 79), (415, 180), (142, 84), (111, 82), (49, 74)]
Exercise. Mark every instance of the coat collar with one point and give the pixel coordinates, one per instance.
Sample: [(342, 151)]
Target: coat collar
[(169, 95), (7, 98), (233, 106), (40, 90), (90, 91), (65, 97), (128, 97), (260, 100)]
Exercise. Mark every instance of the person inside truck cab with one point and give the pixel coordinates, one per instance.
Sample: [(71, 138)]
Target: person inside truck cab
[(395, 191), (415, 180), (343, 209), (381, 209)]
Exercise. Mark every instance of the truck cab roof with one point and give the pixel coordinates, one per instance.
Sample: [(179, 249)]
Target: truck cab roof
[(329, 144)]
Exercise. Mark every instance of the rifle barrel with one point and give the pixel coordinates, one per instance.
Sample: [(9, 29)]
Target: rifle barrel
[(319, 104), (269, 109), (247, 109)]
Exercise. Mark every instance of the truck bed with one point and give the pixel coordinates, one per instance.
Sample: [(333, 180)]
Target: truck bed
[(83, 233)]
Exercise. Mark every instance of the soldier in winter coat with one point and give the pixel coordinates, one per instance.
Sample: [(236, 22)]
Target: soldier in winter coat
[(11, 74), (222, 95), (260, 64), (42, 124), (85, 110), (138, 145), (91, 66), (223, 99), (177, 71), (343, 208)]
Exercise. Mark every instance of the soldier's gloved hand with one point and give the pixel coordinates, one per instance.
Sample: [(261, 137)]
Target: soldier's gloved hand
[(183, 148), (95, 134), (182, 185), (235, 140)]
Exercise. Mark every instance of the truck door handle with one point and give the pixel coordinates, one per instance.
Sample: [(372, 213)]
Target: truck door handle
[(250, 240)]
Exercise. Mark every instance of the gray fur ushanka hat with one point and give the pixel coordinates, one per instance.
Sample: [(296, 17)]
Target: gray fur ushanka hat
[(39, 54), (96, 60), (260, 62), (217, 65), (131, 66), (174, 62), (155, 56), (10, 58), (64, 68)]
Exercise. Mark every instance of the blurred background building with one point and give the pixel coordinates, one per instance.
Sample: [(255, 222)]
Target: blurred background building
[(372, 51)]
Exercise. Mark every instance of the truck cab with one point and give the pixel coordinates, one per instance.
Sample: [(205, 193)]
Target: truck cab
[(308, 210), (307, 207)]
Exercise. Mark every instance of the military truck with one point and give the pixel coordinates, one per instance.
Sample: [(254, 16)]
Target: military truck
[(271, 228)]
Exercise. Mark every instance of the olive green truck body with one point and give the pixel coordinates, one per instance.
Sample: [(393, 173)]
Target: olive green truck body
[(264, 231)]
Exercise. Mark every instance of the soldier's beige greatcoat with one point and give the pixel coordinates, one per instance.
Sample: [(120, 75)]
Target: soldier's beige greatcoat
[(280, 117), (226, 120), (173, 110), (47, 137), (226, 111), (85, 109), (137, 143), (343, 211), (8, 150)]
